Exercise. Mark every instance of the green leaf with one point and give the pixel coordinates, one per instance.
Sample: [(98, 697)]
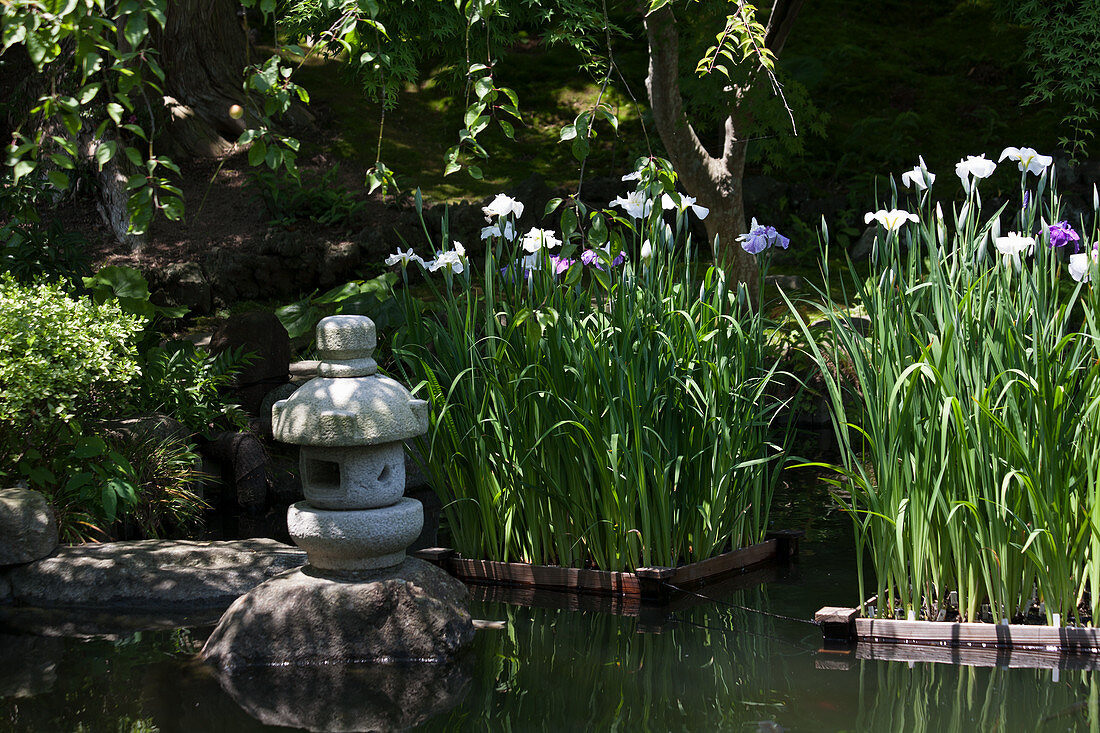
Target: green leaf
[(483, 86), (120, 282), (573, 274), (597, 233), (473, 113), (299, 318), (137, 130), (339, 293), (568, 223), (474, 172), (134, 156), (105, 151), (89, 446), (568, 132), (109, 499), (580, 148), (89, 92), (173, 207), (59, 180), (136, 29), (551, 205), (257, 153), (23, 168), (78, 481)]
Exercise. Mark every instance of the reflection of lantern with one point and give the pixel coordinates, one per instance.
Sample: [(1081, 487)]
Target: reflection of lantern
[(350, 422)]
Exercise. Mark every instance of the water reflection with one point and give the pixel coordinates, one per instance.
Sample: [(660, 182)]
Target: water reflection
[(708, 668), (702, 669), (337, 698), (28, 665), (924, 696)]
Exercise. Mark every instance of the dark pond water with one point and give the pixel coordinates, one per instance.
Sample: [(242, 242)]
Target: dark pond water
[(711, 666)]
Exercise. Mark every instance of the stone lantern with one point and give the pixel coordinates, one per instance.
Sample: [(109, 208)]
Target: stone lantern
[(359, 599), (351, 423)]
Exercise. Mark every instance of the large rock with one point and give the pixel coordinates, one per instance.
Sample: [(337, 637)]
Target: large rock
[(151, 574), (354, 697), (182, 284), (414, 612), (28, 530)]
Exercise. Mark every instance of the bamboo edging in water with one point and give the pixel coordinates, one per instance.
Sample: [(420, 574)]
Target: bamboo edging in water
[(651, 583)]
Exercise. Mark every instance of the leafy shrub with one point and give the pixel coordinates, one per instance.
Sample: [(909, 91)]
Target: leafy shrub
[(163, 473), (56, 353), (296, 198), (67, 365), (32, 252), (591, 411), (130, 290), (63, 362), (185, 382)]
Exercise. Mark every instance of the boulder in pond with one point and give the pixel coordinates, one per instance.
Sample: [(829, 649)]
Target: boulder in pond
[(411, 613)]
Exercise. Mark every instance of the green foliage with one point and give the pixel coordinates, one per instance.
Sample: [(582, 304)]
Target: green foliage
[(970, 461), (371, 298), (185, 382), (292, 199), (33, 252), (56, 352), (70, 365), (608, 414), (1063, 55), (105, 64), (163, 474), (60, 359), (128, 288)]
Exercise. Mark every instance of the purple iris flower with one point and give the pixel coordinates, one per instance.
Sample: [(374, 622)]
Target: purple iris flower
[(591, 257), (1062, 234), (560, 264), (761, 237)]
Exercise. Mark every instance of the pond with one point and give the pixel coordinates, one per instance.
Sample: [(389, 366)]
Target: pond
[(726, 664)]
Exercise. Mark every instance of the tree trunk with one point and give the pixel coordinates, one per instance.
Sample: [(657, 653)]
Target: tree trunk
[(204, 50), (714, 180), (112, 195)]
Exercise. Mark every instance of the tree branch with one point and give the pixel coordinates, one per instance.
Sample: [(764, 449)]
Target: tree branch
[(780, 21)]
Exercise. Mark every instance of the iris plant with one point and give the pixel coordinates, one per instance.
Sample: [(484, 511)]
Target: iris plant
[(970, 462), (595, 411)]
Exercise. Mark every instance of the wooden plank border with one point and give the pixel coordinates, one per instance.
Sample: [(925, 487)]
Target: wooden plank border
[(649, 583), (1057, 640), (976, 657)]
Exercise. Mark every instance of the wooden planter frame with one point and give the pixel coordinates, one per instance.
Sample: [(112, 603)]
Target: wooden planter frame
[(650, 584), (845, 625)]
